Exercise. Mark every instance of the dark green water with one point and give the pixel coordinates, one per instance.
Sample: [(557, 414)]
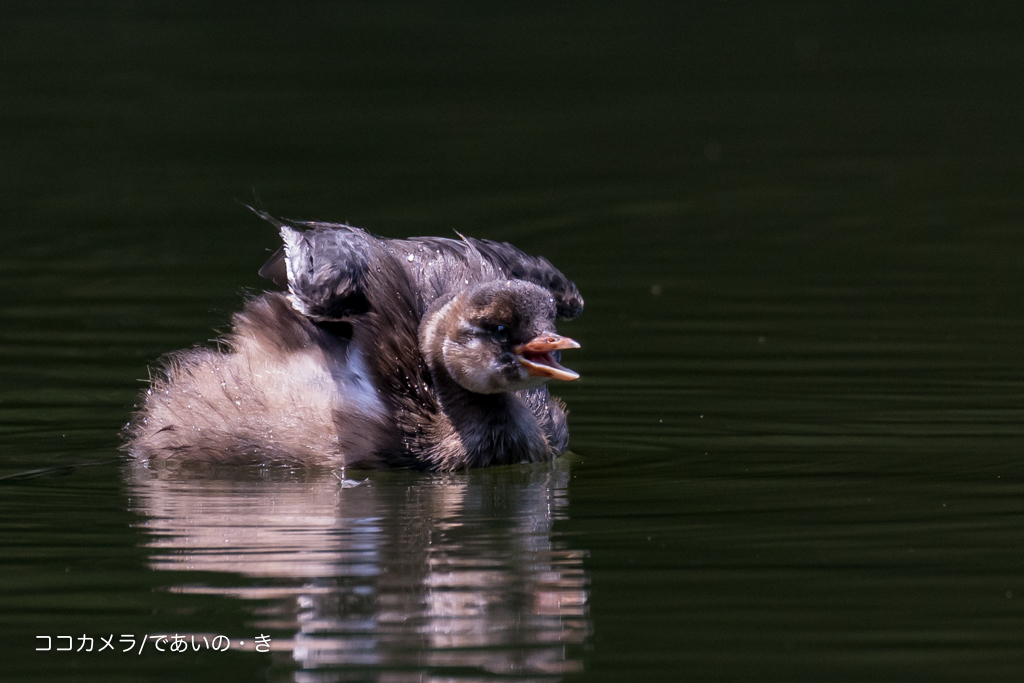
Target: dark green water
[(797, 440)]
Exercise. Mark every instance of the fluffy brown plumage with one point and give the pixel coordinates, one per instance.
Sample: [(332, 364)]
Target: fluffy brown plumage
[(426, 353)]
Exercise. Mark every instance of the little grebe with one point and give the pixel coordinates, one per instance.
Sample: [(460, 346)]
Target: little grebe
[(428, 352)]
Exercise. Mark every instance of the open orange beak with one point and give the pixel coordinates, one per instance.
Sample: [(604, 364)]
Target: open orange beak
[(537, 356)]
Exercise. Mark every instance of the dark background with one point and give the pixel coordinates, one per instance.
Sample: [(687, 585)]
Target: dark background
[(797, 226)]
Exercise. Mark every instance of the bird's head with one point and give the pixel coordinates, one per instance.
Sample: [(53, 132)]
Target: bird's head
[(497, 337)]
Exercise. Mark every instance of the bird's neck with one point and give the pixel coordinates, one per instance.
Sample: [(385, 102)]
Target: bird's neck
[(494, 429), (491, 428)]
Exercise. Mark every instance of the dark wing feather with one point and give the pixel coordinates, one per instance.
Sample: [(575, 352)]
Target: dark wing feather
[(535, 269), (275, 269), (441, 265), (325, 269)]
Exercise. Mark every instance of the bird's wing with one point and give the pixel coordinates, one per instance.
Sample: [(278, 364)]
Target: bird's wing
[(275, 270), (324, 270), (536, 269), (484, 258)]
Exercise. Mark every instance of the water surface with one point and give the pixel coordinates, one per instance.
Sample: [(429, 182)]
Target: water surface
[(796, 443)]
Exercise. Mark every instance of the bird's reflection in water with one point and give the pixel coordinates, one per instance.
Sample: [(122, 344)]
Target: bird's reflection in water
[(403, 577)]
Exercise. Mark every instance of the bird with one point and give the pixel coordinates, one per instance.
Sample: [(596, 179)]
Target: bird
[(429, 353), (320, 265)]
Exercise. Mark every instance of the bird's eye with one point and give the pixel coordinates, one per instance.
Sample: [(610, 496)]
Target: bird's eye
[(501, 332)]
